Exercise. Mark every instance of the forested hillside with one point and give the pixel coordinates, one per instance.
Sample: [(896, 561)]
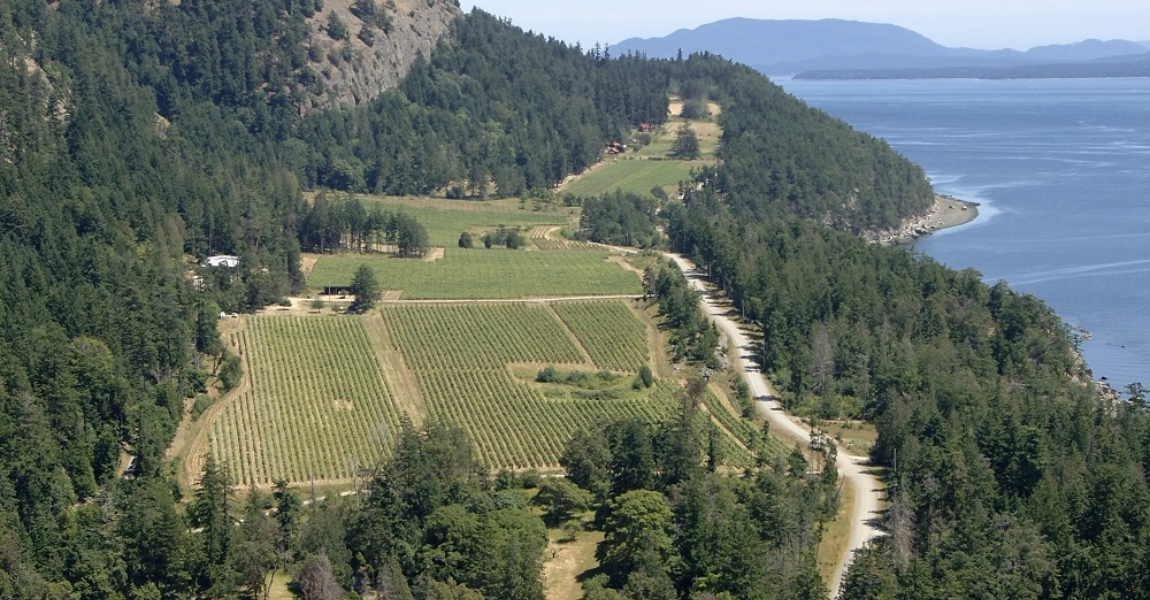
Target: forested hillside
[(1010, 477), (139, 137), (781, 158)]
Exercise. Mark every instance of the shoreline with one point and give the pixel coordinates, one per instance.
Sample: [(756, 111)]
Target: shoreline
[(947, 212)]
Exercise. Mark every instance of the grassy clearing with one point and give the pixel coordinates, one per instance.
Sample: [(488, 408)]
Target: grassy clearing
[(281, 587), (481, 273), (446, 219), (634, 176), (857, 437), (569, 560), (652, 165)]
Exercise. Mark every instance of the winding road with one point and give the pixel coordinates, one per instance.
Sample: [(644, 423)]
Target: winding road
[(867, 491)]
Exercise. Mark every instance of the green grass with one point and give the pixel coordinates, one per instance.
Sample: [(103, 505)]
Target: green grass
[(482, 273), (635, 176), (446, 219)]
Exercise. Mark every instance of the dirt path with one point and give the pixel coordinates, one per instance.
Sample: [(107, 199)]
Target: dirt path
[(195, 443), (853, 468), (571, 334), (515, 300), (400, 379)]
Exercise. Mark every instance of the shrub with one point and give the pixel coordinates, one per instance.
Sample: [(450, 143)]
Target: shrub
[(646, 376), (548, 375), (336, 28)]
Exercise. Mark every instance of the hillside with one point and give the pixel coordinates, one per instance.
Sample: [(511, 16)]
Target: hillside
[(138, 138), (378, 49)]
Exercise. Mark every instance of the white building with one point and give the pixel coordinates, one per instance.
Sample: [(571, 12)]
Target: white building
[(221, 260)]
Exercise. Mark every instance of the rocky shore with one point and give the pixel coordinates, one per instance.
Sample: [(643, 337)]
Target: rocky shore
[(947, 212)]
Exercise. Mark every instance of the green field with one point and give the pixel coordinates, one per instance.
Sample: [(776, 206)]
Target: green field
[(483, 273), (446, 219), (318, 403), (635, 176), (639, 171)]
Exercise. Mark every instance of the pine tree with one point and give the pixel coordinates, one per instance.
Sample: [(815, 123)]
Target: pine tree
[(365, 289)]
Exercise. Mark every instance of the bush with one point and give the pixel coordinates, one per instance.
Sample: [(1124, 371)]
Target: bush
[(548, 375), (576, 378), (646, 376), (336, 28), (203, 402), (529, 479), (232, 371), (465, 240)]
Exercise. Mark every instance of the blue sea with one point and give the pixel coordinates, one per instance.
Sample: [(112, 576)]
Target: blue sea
[(1062, 170)]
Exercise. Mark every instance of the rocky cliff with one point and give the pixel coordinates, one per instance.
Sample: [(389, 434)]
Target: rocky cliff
[(375, 51)]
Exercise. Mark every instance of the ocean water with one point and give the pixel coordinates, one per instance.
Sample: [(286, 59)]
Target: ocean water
[(1062, 170)]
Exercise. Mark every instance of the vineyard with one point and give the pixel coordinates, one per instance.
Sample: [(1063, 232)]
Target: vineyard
[(461, 353), (610, 332), (742, 429), (543, 238), (480, 273), (465, 337), (317, 406), (318, 402)]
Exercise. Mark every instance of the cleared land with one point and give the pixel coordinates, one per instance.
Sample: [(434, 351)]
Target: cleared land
[(318, 404), (634, 176), (324, 394), (461, 356), (446, 219), (483, 273), (652, 166)]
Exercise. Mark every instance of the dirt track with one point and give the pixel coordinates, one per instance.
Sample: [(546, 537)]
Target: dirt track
[(853, 468)]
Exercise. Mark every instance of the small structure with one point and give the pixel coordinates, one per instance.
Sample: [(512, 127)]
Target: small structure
[(645, 127), (221, 260), (616, 148), (340, 290)]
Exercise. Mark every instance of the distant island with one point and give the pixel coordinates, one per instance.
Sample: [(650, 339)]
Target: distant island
[(839, 49)]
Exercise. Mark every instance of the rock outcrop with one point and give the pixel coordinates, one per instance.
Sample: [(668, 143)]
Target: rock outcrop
[(362, 65)]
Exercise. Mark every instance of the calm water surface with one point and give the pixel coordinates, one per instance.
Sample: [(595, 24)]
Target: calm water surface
[(1062, 169)]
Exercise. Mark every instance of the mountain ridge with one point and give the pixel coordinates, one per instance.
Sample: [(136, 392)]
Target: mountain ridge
[(789, 47)]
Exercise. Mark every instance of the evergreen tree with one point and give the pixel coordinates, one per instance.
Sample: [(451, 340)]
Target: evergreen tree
[(365, 289), (686, 144)]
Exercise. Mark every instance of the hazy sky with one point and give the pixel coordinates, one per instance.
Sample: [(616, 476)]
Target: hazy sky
[(986, 24)]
